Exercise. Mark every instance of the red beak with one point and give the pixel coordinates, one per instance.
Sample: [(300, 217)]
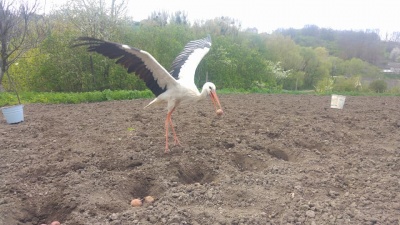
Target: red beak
[(215, 100)]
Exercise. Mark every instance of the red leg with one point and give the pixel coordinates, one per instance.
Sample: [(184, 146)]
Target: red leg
[(176, 141), (166, 133), (168, 121)]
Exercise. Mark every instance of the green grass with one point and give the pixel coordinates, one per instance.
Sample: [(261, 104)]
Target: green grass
[(360, 93), (9, 98)]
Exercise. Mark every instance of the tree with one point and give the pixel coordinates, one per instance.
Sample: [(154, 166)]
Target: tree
[(223, 26), (364, 45), (291, 57), (394, 37), (395, 55), (158, 18), (357, 67), (19, 32), (94, 18), (100, 19), (180, 17), (283, 49)]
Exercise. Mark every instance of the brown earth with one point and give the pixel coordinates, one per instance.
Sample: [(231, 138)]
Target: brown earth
[(270, 159)]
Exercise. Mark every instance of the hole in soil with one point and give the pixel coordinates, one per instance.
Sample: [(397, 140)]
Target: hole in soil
[(47, 209), (195, 173), (141, 187), (278, 153), (246, 162)]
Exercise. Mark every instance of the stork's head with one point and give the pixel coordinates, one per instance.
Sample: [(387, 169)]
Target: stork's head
[(210, 89)]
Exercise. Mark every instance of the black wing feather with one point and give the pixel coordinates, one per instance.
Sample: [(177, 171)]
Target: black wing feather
[(130, 61)]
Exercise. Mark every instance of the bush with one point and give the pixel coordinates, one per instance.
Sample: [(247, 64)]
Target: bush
[(324, 86), (345, 84), (378, 86), (395, 90)]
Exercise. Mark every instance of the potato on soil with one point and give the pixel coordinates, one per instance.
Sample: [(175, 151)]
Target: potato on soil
[(136, 202)]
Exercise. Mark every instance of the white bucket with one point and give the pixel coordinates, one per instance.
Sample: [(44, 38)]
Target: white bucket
[(13, 114), (337, 101)]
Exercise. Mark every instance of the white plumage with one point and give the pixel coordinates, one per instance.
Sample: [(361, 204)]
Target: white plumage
[(173, 87)]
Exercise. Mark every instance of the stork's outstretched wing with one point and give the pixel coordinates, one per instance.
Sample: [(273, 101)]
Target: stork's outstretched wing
[(185, 64), (142, 63)]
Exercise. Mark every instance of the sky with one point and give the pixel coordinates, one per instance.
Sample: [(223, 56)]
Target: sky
[(269, 15)]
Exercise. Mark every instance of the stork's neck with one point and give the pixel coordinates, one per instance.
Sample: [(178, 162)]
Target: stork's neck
[(203, 93)]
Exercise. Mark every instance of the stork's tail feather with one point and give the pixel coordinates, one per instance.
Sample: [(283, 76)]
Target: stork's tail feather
[(155, 101)]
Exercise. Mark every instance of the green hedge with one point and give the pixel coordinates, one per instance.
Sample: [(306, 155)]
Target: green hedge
[(9, 98)]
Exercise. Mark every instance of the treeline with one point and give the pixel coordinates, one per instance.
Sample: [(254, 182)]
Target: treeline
[(365, 45), (237, 60)]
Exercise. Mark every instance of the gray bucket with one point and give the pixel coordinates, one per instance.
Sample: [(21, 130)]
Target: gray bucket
[(13, 114)]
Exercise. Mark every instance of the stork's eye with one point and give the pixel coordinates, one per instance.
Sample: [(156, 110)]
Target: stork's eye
[(210, 87)]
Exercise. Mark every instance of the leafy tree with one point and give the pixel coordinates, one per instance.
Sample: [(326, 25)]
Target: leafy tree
[(233, 64), (323, 67), (222, 67), (307, 65), (294, 80), (19, 32), (309, 69), (94, 18), (336, 64), (357, 67), (237, 59), (345, 44), (24, 71), (284, 50), (279, 47)]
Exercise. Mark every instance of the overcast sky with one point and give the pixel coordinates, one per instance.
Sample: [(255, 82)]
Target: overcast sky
[(269, 15)]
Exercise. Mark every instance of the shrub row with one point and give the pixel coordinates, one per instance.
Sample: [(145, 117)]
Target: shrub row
[(9, 98)]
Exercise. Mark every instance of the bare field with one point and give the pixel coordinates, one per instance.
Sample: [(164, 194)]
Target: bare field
[(270, 159)]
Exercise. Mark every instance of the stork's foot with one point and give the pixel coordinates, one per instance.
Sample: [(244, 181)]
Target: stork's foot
[(177, 142), (166, 147)]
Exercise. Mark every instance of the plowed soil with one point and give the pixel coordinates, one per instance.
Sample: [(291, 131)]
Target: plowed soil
[(270, 159)]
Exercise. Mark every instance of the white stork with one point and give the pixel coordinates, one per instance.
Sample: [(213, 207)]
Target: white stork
[(173, 87)]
